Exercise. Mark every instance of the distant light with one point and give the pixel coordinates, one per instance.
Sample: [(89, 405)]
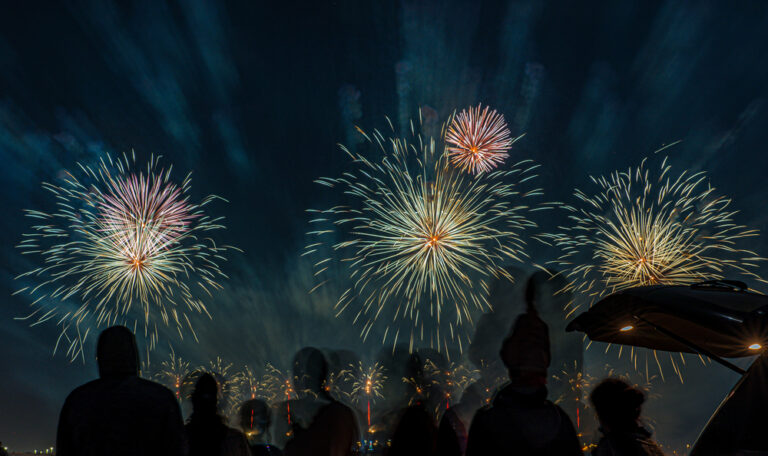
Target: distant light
[(755, 347), (627, 328)]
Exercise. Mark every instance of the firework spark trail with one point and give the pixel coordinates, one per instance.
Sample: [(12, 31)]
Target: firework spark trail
[(172, 373), (421, 240), (119, 240), (367, 384), (478, 140), (646, 230)]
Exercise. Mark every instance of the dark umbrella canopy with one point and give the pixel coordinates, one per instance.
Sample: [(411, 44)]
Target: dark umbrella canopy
[(722, 318)]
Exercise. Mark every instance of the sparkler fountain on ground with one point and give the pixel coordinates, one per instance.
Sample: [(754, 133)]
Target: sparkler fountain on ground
[(449, 381), (279, 387), (420, 239), (367, 382), (577, 384), (649, 228), (172, 373), (126, 245)]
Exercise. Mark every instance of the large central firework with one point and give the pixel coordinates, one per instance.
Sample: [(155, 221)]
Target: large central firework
[(124, 245), (420, 239)]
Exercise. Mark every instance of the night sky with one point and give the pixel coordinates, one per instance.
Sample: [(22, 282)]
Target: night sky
[(253, 97)]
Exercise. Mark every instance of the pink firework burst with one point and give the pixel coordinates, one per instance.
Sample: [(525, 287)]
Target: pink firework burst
[(478, 139), (144, 213)]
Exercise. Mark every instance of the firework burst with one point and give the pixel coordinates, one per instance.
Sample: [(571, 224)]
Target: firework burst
[(126, 245), (421, 241), (478, 140), (172, 373), (645, 230)]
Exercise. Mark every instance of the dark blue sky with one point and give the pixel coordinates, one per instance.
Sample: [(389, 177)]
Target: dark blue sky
[(252, 97)]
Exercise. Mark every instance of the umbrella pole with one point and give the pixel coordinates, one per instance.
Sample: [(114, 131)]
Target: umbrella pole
[(693, 346)]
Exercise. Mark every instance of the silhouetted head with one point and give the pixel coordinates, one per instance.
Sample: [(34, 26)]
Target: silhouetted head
[(116, 352), (254, 417), (525, 352), (416, 433), (504, 298), (617, 404), (310, 370), (205, 396)]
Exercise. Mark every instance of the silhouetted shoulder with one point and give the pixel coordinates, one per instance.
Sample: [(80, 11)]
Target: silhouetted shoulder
[(128, 393)]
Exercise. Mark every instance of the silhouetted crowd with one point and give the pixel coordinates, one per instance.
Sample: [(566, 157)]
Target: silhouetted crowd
[(123, 414)]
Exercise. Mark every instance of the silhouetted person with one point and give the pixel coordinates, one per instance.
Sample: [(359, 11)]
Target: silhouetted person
[(415, 435), (521, 420), (2, 450), (398, 364), (618, 406), (206, 432), (454, 425), (310, 369), (318, 424), (255, 418), (120, 413)]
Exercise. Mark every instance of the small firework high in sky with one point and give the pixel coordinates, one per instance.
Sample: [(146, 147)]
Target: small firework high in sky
[(121, 247), (478, 140), (419, 242), (449, 381)]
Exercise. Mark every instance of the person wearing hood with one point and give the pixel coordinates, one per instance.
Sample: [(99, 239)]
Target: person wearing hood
[(618, 405), (120, 413), (521, 420)]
